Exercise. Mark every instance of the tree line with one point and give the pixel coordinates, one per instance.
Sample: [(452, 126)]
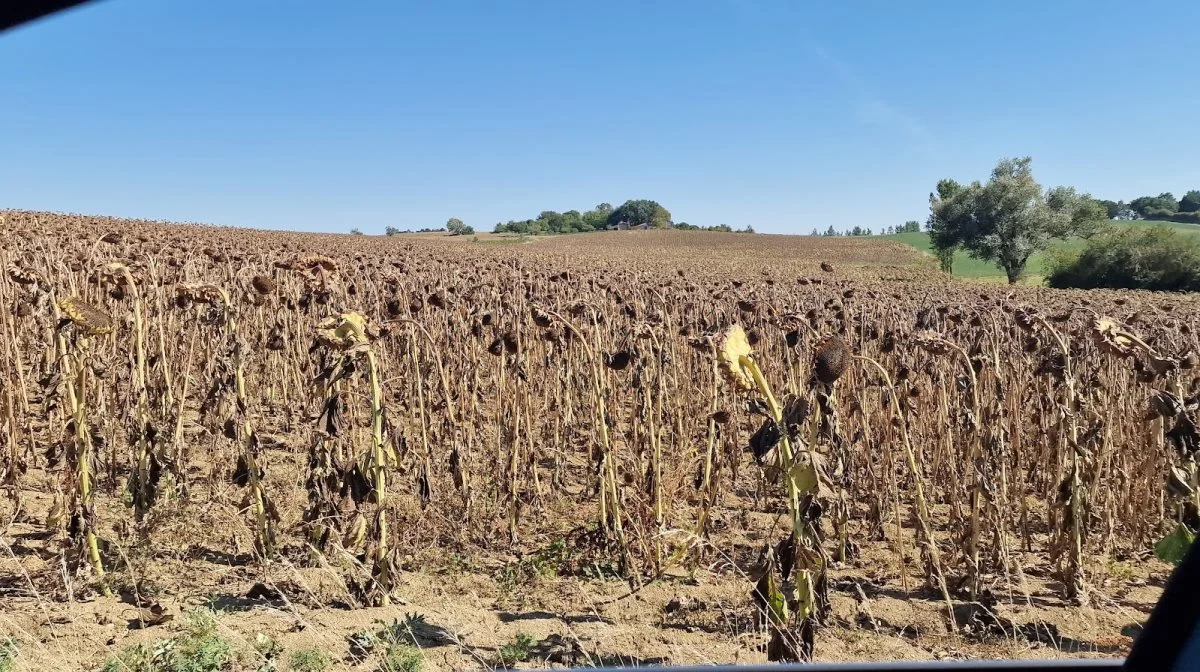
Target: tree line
[(454, 226), (911, 226), (1161, 207), (632, 214)]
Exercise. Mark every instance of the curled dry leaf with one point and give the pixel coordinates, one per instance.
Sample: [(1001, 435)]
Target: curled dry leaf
[(344, 332)]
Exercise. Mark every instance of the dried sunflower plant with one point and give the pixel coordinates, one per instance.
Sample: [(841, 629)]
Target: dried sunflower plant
[(79, 323), (791, 587), (349, 336)]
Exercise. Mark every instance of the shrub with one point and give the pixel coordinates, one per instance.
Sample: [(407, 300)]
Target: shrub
[(1158, 258)]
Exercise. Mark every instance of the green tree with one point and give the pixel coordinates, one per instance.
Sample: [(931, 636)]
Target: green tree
[(1110, 207), (639, 212), (911, 226), (550, 221), (1010, 217), (391, 231), (355, 232), (830, 231), (596, 219), (1150, 207), (1190, 202), (572, 221), (456, 227)]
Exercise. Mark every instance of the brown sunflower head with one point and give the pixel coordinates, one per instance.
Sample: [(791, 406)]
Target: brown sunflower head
[(1189, 360), (497, 347), (88, 318), (830, 359), (540, 317), (313, 262), (1112, 337), (199, 292), (25, 276), (1025, 319), (263, 285), (932, 343)]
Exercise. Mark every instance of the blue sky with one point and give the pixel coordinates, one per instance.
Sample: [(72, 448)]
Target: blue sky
[(776, 114)]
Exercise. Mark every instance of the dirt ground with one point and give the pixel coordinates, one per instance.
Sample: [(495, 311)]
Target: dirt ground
[(471, 608)]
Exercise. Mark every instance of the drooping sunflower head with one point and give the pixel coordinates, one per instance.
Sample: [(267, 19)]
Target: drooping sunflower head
[(200, 292), (25, 276), (732, 347), (91, 320), (830, 359), (263, 285), (931, 342), (1113, 338), (313, 262), (344, 332)]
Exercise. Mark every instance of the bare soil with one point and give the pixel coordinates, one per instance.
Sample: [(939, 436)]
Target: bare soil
[(575, 614)]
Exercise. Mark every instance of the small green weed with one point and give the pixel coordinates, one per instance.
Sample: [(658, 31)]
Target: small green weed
[(310, 660), (394, 643), (8, 653), (519, 650), (459, 564), (1120, 571), (136, 658), (203, 649), (200, 649), (400, 658), (543, 563), (267, 652)]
